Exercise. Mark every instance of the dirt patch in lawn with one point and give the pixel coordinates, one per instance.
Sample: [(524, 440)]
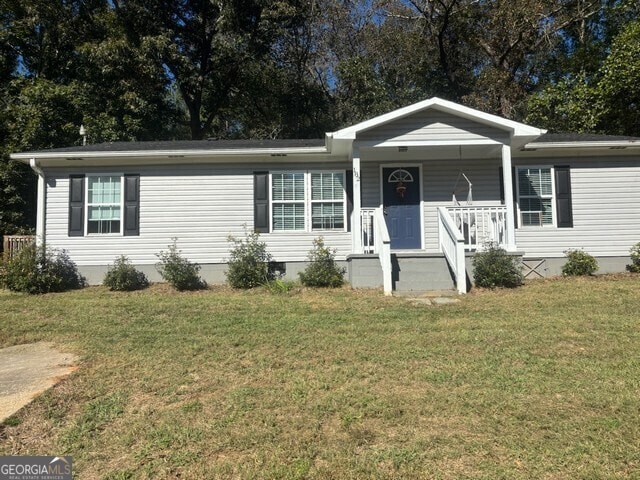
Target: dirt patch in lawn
[(28, 370)]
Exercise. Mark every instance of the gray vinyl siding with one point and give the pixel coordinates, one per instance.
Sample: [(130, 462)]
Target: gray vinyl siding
[(200, 205), (433, 125), (439, 179), (606, 210)]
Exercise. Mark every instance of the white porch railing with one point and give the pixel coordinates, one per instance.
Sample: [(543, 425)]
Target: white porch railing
[(479, 225), (375, 239), (452, 245), (367, 235)]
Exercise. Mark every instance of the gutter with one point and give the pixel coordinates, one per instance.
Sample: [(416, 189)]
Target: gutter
[(274, 152), (41, 203), (614, 145)]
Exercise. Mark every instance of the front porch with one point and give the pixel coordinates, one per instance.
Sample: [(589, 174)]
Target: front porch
[(405, 170), (461, 230)]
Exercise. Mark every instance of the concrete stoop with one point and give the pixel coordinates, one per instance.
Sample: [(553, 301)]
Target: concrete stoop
[(413, 273)]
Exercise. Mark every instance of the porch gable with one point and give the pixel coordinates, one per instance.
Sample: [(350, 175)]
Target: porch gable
[(432, 126)]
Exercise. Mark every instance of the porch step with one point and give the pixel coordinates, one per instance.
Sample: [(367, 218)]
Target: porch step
[(421, 273), (412, 273)]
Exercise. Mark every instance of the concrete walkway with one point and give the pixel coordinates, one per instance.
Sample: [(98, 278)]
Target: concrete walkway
[(28, 370), (431, 297)]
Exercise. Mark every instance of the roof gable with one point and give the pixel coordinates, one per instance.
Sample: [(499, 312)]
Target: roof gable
[(519, 132)]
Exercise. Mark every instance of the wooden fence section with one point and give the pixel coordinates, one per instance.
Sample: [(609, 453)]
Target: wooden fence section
[(12, 244)]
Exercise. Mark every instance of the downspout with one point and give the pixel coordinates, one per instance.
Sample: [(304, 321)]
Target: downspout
[(41, 202)]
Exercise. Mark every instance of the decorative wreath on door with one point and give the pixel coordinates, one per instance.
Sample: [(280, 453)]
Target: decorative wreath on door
[(401, 178)]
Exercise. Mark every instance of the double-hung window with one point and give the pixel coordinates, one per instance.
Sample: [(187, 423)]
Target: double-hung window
[(535, 196), (288, 196), (327, 200), (104, 204), (308, 201)]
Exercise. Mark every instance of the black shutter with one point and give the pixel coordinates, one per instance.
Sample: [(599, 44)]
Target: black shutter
[(564, 208), (348, 187), (76, 205), (501, 180), (261, 202), (132, 205)]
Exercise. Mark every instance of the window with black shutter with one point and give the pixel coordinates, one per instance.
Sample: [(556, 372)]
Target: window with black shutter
[(104, 204)]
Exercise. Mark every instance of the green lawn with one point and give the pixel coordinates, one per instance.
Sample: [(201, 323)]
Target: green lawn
[(538, 382)]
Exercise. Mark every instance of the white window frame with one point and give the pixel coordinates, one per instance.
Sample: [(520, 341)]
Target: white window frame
[(553, 223), (272, 201), (87, 204), (312, 201), (308, 202)]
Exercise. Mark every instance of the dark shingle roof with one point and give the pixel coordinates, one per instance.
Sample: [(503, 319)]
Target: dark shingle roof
[(190, 145), (581, 137)]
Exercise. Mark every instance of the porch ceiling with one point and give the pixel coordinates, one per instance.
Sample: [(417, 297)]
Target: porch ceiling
[(424, 153)]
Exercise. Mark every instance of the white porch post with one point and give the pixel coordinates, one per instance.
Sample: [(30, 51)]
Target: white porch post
[(356, 221), (41, 203), (507, 180)]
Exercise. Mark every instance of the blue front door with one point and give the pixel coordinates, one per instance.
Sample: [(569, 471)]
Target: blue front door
[(401, 201)]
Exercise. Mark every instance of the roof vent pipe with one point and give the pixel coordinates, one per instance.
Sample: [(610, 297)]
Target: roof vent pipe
[(83, 134)]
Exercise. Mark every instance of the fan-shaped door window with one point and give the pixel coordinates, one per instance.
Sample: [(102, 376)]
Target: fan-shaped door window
[(400, 178), (400, 175)]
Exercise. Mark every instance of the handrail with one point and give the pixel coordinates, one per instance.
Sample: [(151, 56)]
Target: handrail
[(451, 242), (383, 247)]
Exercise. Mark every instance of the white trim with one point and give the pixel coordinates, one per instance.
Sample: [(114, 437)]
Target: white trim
[(356, 216), (478, 142), (507, 185), (41, 203), (312, 201), (612, 144), (272, 201), (166, 153), (86, 205), (420, 183), (517, 129)]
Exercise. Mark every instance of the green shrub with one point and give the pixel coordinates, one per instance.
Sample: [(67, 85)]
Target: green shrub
[(322, 271), (277, 285), (635, 259), (494, 267), (248, 265), (179, 272), (37, 269), (578, 263), (123, 277)]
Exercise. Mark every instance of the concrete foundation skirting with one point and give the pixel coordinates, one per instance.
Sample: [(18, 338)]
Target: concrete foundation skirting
[(552, 266), (411, 271), (212, 273)]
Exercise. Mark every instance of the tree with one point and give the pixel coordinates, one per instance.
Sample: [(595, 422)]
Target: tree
[(66, 64), (203, 46), (607, 101), (284, 93), (618, 86)]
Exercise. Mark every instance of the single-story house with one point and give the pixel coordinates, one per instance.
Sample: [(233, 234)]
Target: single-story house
[(405, 198)]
